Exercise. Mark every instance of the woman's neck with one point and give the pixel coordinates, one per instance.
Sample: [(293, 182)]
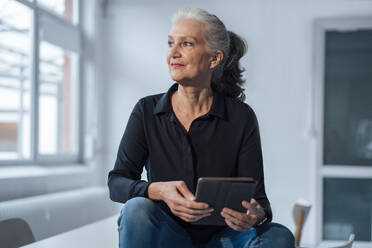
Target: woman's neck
[(191, 100)]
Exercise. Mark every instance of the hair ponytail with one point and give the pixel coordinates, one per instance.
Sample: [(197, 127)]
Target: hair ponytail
[(228, 78)]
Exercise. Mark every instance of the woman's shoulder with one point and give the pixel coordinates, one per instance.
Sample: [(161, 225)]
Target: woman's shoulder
[(240, 113), (238, 107), (147, 104), (151, 98)]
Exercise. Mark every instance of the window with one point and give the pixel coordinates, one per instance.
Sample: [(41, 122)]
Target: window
[(15, 84), (349, 211), (39, 81), (348, 98), (57, 100), (344, 97), (67, 9)]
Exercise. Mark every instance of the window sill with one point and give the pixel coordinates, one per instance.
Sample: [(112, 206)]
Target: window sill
[(31, 180), (22, 171)]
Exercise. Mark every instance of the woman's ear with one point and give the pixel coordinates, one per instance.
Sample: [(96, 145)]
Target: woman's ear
[(216, 59)]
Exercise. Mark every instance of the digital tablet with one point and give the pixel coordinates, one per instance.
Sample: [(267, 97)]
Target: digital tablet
[(220, 192)]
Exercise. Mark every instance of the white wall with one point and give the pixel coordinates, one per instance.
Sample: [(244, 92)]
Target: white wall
[(279, 71)]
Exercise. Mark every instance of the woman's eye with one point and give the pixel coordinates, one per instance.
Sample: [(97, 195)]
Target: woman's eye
[(187, 43)]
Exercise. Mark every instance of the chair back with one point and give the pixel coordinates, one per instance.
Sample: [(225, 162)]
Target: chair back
[(15, 233), (300, 211), (349, 243)]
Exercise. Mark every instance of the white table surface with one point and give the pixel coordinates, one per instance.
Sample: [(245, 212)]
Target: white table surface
[(100, 234)]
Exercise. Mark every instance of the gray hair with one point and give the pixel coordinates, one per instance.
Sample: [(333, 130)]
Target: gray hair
[(226, 78)]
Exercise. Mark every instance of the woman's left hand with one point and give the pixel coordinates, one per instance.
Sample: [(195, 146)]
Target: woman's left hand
[(242, 221)]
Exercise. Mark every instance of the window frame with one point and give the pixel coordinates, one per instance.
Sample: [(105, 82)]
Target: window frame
[(322, 170), (35, 157)]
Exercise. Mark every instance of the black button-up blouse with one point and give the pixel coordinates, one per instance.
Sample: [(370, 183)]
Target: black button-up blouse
[(225, 142)]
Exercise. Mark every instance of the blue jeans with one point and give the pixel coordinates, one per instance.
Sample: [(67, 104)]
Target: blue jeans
[(143, 224)]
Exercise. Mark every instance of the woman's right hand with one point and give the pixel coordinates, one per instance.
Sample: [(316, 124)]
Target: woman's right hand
[(179, 199)]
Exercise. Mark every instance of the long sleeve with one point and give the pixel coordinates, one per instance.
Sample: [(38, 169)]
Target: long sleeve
[(250, 163), (124, 180)]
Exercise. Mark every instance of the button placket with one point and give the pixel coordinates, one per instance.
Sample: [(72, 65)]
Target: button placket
[(188, 162)]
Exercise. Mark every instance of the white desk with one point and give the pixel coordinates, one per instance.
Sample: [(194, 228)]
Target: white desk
[(99, 234)]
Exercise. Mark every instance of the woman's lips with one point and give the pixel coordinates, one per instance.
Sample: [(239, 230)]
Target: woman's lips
[(176, 65)]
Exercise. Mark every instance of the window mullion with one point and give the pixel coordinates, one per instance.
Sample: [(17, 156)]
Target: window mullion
[(59, 117), (21, 117), (35, 87), (80, 129)]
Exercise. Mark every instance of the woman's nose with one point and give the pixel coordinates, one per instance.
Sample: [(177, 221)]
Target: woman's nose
[(174, 52)]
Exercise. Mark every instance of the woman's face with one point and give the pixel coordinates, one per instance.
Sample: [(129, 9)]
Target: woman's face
[(187, 57)]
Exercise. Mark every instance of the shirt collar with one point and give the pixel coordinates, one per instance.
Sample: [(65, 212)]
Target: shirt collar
[(217, 108)]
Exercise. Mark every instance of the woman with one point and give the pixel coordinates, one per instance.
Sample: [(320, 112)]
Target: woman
[(200, 127)]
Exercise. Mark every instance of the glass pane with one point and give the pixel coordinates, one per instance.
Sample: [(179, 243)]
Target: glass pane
[(66, 8), (15, 47), (57, 100), (348, 98), (347, 209)]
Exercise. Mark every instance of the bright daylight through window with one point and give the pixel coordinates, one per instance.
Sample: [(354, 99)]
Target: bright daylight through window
[(39, 80)]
